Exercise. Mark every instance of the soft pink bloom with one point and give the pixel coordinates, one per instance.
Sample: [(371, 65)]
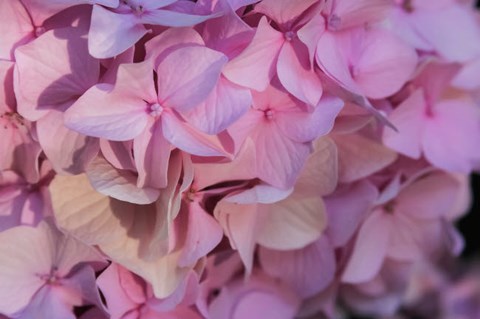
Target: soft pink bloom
[(403, 226), (280, 219), (46, 272), (129, 296), (282, 129), (114, 30), (440, 125), (24, 203)]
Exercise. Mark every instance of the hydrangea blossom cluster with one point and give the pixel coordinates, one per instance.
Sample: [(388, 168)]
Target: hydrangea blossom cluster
[(174, 159)]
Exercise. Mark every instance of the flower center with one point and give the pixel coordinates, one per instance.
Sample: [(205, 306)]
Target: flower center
[(51, 278), (155, 110), (269, 114), (290, 35), (334, 22)]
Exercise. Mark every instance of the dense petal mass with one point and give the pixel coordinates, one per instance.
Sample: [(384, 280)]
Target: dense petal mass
[(238, 159)]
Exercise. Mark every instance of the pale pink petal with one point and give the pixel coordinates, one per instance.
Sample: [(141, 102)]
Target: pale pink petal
[(319, 175), (261, 193), (242, 167), (352, 13), (16, 29), (89, 215), (311, 33), (293, 223), (188, 139), (240, 224), (119, 154), (360, 157), (296, 73), (370, 249), (428, 198), (408, 118), (112, 33), (213, 116), (119, 184), (228, 34), (456, 42), (52, 70), (41, 10), (308, 270), (151, 153), (449, 135), (302, 126), (346, 208), (255, 66), (385, 64), (34, 252), (332, 58), (117, 297), (279, 159), (188, 75), (283, 12), (161, 45), (47, 304), (68, 151), (102, 112), (203, 234), (172, 18)]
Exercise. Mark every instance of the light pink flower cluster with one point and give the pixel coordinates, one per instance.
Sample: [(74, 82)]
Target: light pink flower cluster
[(238, 159)]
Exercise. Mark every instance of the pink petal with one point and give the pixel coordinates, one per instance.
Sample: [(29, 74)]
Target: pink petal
[(33, 252), (297, 75), (353, 13), (261, 194), (293, 223), (52, 70), (240, 224), (430, 197), (89, 215), (172, 18), (16, 28), (188, 75), (204, 233), (302, 126), (409, 120), (449, 138), (308, 270), (161, 45), (119, 118), (370, 248), (68, 151), (113, 282), (186, 138), (40, 10), (455, 42), (279, 159), (119, 184), (319, 175), (212, 116), (112, 33), (255, 66), (346, 209), (283, 12), (360, 157), (382, 52), (151, 153)]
